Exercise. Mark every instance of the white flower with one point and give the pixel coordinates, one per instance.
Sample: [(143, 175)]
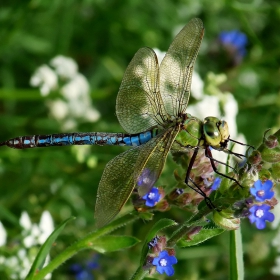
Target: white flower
[(46, 226), (75, 90), (208, 106), (197, 86), (58, 108), (29, 231), (65, 67), (231, 110), (36, 234), (19, 264), (25, 221), (45, 78), (3, 235)]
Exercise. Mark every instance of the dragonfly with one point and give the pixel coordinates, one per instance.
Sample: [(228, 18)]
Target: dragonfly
[(151, 107)]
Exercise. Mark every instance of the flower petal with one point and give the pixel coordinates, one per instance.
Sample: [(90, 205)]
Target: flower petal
[(169, 270)]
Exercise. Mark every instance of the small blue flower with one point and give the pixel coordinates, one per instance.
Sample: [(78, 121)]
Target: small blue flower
[(259, 214), (164, 263), (84, 275), (152, 197), (84, 272), (235, 42), (216, 184), (261, 191)]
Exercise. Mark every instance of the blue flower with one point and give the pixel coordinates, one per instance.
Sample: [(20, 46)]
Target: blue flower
[(235, 42), (261, 191), (259, 214), (164, 263), (216, 184), (152, 197), (84, 272), (84, 275)]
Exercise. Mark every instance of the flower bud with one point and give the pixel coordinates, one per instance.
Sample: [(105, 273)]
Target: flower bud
[(255, 158), (171, 251), (270, 155), (175, 193), (162, 206), (271, 141), (193, 231)]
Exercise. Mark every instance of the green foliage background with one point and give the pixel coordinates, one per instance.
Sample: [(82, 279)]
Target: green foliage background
[(102, 36)]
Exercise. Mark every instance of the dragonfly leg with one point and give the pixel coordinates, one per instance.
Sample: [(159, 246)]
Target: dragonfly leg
[(235, 154), (197, 188), (208, 154), (240, 143), (211, 158)]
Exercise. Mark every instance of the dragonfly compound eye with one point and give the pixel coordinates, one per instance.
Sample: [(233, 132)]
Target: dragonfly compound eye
[(211, 131), (223, 128)]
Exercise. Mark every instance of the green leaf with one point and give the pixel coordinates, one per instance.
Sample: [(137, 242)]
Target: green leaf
[(8, 215), (111, 243), (139, 274), (45, 249), (147, 216), (225, 220), (158, 226), (203, 235), (236, 255)]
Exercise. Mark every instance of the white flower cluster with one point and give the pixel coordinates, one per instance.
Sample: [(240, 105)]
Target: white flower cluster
[(18, 265), (75, 102)]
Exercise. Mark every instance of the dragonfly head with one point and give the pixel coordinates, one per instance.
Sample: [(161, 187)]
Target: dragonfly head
[(215, 132)]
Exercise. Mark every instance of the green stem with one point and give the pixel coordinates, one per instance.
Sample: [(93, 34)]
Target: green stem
[(139, 274), (236, 255)]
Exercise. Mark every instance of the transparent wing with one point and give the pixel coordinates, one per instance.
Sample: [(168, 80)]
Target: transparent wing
[(177, 67), (139, 105), (123, 172)]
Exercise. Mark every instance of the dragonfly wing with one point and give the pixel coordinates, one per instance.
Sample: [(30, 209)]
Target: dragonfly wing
[(122, 173), (139, 105), (177, 66)]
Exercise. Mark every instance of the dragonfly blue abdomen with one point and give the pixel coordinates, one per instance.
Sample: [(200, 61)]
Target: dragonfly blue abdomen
[(90, 138)]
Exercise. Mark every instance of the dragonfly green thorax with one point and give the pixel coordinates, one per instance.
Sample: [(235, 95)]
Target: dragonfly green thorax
[(211, 132)]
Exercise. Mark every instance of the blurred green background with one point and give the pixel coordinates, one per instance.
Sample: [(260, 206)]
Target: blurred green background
[(102, 37)]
